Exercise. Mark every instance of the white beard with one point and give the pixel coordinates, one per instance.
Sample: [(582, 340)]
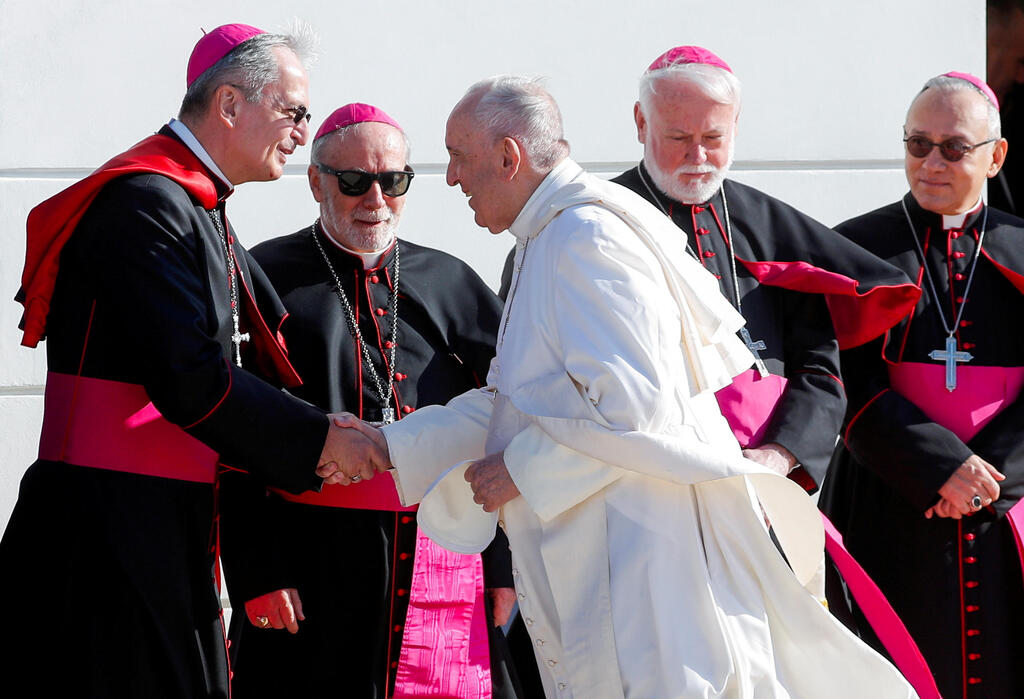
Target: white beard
[(696, 192), (350, 234)]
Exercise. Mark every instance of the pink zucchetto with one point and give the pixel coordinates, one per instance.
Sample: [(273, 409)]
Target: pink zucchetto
[(687, 54), (355, 113), (978, 83), (216, 45)]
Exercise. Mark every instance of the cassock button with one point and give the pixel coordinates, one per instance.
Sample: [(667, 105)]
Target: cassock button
[(957, 255), (389, 344), (540, 641), (974, 656), (973, 607), (381, 311), (403, 556), (394, 664), (400, 377), (959, 277), (406, 519), (398, 627), (970, 559), (552, 663), (698, 209), (702, 231), (971, 584), (955, 234), (967, 346), (522, 595), (407, 409), (974, 680), (374, 279), (969, 537), (709, 253), (529, 621), (973, 632), (562, 685), (401, 593), (966, 323), (959, 299)]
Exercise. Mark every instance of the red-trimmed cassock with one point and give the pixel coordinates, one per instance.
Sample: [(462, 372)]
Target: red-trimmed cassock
[(804, 291), (109, 556), (955, 583), (384, 605)]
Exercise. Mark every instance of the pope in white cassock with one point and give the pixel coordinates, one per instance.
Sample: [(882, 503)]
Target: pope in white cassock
[(641, 555)]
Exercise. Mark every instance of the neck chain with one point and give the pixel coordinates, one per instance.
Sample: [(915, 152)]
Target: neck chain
[(383, 391), (752, 345), (512, 293), (950, 355), (237, 338)]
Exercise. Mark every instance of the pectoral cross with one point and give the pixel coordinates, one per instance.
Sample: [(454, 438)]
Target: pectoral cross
[(951, 357), (754, 347), (387, 415), (237, 338)]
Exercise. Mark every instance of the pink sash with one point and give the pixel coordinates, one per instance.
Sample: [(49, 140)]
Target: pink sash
[(749, 402), (444, 644), (113, 425)]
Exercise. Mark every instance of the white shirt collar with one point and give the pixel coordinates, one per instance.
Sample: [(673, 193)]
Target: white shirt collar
[(957, 220), (371, 259), (533, 212), (193, 144)]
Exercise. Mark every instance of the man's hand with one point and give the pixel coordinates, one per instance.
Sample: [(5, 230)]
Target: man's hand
[(503, 601), (281, 609), (492, 486), (975, 476), (774, 456), (352, 452)]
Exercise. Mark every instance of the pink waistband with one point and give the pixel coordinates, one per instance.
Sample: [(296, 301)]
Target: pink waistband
[(378, 493), (981, 393), (113, 425)]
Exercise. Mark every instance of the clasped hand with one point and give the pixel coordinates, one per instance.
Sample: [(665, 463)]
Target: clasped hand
[(491, 483), (353, 451), (974, 477)]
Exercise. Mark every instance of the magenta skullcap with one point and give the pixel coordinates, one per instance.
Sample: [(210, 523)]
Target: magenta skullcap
[(355, 113), (978, 83), (687, 54), (215, 45)]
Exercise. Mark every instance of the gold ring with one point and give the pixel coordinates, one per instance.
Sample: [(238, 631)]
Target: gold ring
[(263, 621), (356, 478)]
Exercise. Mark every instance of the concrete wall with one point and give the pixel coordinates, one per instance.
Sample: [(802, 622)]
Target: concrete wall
[(826, 86)]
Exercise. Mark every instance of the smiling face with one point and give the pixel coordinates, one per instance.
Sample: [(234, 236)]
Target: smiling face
[(474, 164), (688, 140), (369, 221), (937, 184), (265, 132)]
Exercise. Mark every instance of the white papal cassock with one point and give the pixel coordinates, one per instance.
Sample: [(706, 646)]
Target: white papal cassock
[(641, 557)]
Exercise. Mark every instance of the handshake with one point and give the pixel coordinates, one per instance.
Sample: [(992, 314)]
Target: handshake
[(353, 451)]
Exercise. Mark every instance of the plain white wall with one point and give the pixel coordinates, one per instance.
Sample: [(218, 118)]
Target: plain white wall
[(826, 86)]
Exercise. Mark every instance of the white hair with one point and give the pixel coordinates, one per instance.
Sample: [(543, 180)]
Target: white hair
[(519, 108), (251, 66), (716, 83), (948, 84)]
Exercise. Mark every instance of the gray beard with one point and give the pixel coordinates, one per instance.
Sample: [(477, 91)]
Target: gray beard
[(696, 193)]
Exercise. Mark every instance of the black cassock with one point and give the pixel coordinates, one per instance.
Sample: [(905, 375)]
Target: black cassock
[(796, 328), (110, 574), (352, 567), (955, 583)]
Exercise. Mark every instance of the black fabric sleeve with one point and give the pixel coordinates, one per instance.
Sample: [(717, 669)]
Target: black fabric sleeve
[(1000, 444), (152, 268), (809, 416), (891, 436)]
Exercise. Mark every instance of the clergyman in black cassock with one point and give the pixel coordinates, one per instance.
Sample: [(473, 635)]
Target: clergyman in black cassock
[(367, 629), (930, 469)]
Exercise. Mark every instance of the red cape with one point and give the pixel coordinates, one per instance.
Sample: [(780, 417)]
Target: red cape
[(51, 223)]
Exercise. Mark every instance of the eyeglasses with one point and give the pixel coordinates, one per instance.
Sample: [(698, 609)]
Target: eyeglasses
[(952, 149), (355, 183), (297, 113)]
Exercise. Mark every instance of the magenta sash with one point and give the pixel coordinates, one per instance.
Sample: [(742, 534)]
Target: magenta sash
[(113, 425), (981, 393), (886, 624), (444, 644), (748, 404), (378, 493)]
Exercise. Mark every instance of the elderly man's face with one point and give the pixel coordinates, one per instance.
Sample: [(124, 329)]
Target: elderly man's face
[(688, 140), (937, 184), (368, 221), (266, 131), (474, 164)]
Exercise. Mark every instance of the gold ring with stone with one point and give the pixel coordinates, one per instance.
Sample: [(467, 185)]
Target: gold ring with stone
[(263, 621)]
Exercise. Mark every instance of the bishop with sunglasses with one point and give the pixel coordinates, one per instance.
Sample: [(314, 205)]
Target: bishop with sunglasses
[(927, 479), (378, 327)]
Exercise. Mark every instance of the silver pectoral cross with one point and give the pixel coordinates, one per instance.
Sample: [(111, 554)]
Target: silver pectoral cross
[(387, 415), (951, 357), (237, 339), (754, 347)]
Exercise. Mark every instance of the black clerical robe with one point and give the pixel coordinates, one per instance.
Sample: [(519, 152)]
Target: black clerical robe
[(354, 575), (955, 583), (783, 273), (109, 556)]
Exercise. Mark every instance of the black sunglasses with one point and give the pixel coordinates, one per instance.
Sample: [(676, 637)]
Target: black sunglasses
[(297, 113), (355, 183), (952, 149)]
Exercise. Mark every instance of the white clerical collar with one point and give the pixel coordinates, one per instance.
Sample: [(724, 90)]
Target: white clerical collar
[(957, 220), (193, 144), (371, 260), (526, 224)]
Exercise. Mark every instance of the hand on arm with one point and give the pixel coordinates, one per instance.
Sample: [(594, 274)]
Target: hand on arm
[(974, 477), (281, 609), (492, 485), (773, 456), (353, 451)]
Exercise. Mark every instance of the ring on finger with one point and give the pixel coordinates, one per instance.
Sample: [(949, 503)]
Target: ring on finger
[(976, 502), (263, 621), (356, 478)]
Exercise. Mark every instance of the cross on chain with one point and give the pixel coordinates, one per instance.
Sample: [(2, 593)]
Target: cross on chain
[(754, 347), (951, 357)]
